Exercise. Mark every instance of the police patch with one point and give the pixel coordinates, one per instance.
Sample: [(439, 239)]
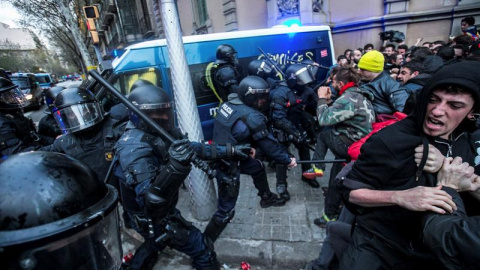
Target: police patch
[(226, 111)]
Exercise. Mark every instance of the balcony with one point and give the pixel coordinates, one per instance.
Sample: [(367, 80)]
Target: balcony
[(106, 18)]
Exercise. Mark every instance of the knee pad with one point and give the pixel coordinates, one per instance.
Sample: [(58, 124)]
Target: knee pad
[(230, 185)]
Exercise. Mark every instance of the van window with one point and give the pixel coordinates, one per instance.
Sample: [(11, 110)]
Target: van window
[(43, 79), (125, 80)]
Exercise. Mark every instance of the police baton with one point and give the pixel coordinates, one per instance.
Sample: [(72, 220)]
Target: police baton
[(321, 161), (160, 131), (273, 63), (300, 62)]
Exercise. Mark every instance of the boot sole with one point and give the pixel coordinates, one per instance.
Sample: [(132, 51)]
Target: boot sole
[(270, 205)]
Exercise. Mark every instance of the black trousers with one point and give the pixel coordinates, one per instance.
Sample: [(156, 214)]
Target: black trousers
[(327, 139)]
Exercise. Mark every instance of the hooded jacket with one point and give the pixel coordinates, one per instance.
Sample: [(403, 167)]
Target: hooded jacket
[(387, 161)]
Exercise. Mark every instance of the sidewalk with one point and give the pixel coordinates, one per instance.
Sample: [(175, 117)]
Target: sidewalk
[(271, 238)]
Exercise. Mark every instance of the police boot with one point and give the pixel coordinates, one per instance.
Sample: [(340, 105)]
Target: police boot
[(214, 229), (281, 173), (283, 192), (271, 199)]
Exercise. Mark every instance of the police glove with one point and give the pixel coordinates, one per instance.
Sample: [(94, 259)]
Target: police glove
[(241, 151), (301, 138), (181, 151)]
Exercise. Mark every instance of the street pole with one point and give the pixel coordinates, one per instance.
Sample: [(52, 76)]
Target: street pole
[(202, 190)]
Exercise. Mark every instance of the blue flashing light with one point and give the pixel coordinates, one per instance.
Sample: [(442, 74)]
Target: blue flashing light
[(117, 52), (292, 22)]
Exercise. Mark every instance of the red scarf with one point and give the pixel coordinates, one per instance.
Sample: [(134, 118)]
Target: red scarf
[(346, 86)]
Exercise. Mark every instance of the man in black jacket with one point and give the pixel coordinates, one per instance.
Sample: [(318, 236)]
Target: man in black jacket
[(386, 188), (389, 98), (454, 239)]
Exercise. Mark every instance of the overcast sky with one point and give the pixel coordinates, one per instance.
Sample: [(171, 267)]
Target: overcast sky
[(8, 14)]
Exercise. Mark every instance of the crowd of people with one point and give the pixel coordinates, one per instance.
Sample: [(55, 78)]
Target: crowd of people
[(404, 118)]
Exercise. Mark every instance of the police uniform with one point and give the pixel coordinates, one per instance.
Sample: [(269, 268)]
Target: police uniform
[(226, 79), (152, 170), (94, 146), (143, 164), (17, 134), (239, 123), (287, 115), (226, 76)]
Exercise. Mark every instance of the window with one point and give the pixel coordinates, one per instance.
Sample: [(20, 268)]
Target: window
[(125, 80), (200, 8)]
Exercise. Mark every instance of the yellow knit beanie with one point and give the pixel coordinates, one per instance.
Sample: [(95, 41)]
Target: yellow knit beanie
[(372, 61)]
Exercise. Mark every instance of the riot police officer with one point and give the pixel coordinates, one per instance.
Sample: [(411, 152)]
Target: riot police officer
[(47, 126), (90, 134), (226, 76), (56, 214), (240, 121), (120, 111), (287, 114), (17, 133), (263, 69), (151, 171)]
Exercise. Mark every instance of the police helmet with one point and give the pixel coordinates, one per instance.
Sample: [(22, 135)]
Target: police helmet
[(253, 92), (260, 68), (312, 66), (50, 96), (76, 109), (10, 96), (155, 103), (298, 74), (226, 54), (56, 214)]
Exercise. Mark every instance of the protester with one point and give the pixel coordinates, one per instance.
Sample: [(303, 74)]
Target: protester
[(402, 49), (390, 49), (368, 47), (386, 188), (454, 239), (388, 98), (347, 120)]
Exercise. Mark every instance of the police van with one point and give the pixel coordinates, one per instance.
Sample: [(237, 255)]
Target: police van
[(149, 60)]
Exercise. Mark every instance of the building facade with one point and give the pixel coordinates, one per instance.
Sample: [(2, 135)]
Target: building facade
[(353, 22)]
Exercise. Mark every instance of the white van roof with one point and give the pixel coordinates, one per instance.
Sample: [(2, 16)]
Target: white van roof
[(233, 34)]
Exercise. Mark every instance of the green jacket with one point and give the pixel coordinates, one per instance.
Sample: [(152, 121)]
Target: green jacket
[(351, 114)]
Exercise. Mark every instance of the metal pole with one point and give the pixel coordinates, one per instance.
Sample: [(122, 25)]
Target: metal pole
[(321, 161), (202, 191)]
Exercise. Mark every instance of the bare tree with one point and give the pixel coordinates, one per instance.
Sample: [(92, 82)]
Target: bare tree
[(60, 21)]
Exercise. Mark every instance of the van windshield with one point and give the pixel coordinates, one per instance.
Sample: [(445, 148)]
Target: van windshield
[(21, 82), (43, 79)]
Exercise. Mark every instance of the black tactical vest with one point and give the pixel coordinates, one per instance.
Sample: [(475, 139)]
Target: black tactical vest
[(227, 116)]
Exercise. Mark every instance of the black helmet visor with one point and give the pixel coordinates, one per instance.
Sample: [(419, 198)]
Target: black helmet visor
[(14, 98), (79, 116)]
